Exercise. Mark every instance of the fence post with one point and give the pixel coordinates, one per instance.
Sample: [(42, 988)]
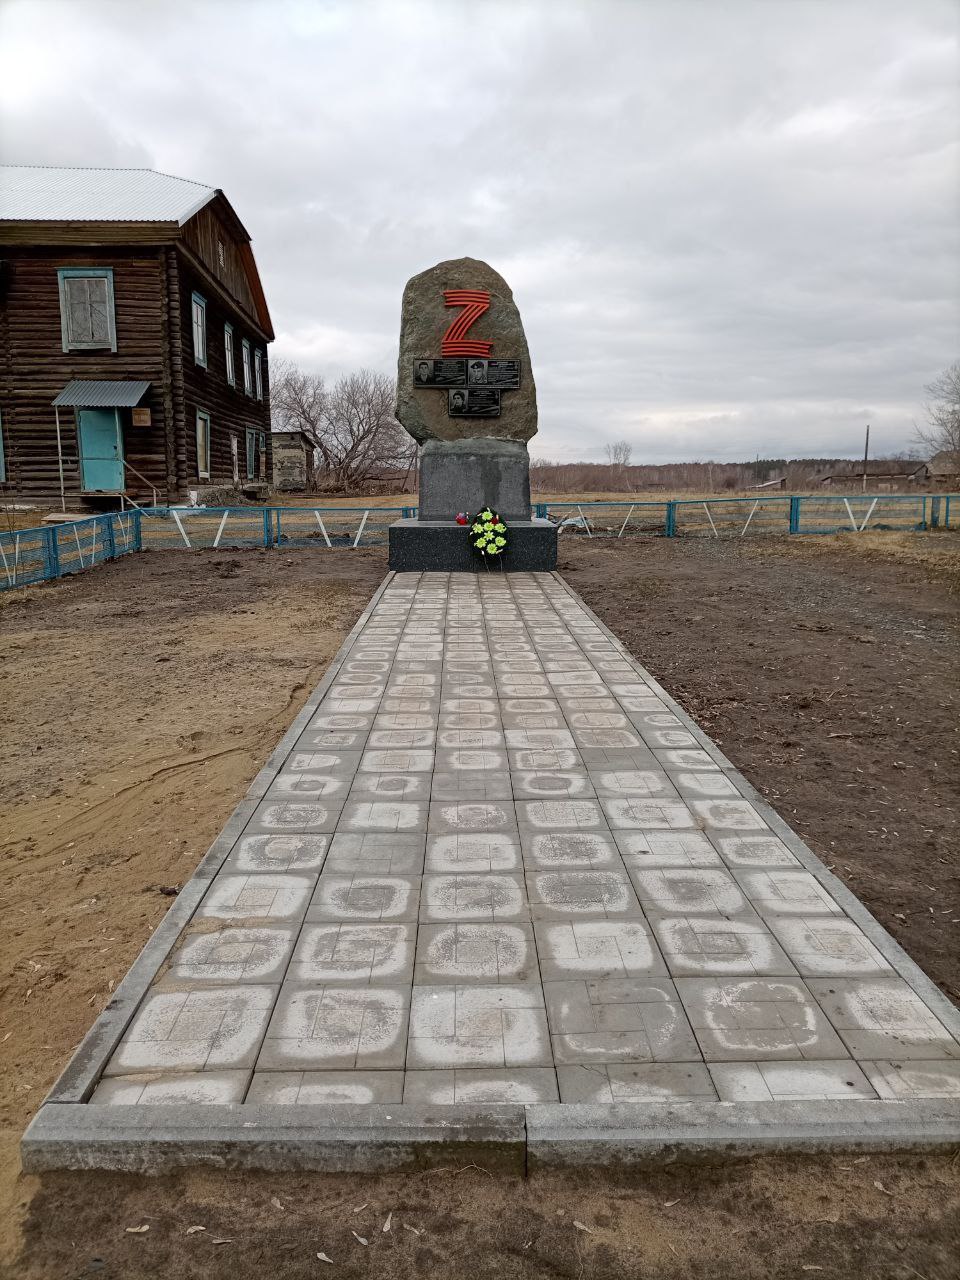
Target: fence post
[(137, 530), (795, 515), (541, 511), (670, 522), (109, 538), (267, 527), (51, 552)]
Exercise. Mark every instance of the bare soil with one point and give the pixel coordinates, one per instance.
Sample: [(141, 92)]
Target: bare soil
[(141, 698)]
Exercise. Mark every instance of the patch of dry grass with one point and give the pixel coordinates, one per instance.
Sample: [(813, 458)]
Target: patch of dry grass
[(934, 552)]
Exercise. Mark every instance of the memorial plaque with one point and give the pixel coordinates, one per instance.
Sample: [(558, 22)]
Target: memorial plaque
[(440, 373), (504, 374), (478, 402)]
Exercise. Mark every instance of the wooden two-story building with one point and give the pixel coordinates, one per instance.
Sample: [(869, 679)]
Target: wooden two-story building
[(133, 340)]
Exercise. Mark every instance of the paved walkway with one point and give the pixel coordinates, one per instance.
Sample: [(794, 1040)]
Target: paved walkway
[(497, 867)]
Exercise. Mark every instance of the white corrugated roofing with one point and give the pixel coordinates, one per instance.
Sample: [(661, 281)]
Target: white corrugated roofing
[(82, 393), (35, 193)]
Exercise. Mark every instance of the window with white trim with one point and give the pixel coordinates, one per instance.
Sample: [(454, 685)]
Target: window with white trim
[(87, 313), (199, 329), (247, 370), (228, 354), (251, 454), (3, 461), (258, 372), (203, 445)]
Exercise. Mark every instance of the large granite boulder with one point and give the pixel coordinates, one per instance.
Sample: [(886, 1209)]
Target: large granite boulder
[(425, 319)]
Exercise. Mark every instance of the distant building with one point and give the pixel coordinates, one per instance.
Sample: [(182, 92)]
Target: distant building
[(885, 475), (294, 461), (133, 339), (780, 483), (943, 469)]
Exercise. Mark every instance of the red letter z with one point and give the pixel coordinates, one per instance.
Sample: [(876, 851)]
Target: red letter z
[(455, 341)]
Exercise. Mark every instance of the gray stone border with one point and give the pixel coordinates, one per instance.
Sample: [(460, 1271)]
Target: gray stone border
[(509, 1139)]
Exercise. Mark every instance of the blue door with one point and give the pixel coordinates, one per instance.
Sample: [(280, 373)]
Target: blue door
[(101, 451)]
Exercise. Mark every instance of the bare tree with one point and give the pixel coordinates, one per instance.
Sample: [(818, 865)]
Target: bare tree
[(360, 434), (298, 402), (619, 453), (942, 432)]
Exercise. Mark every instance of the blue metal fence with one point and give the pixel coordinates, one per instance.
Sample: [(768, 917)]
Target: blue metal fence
[(38, 555)]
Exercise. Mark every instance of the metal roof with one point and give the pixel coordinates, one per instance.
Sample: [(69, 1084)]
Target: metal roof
[(81, 394), (38, 193)]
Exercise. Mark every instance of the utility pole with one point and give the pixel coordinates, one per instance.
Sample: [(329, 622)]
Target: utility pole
[(866, 454)]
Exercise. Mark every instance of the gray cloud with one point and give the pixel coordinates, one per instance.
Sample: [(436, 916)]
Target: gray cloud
[(731, 228)]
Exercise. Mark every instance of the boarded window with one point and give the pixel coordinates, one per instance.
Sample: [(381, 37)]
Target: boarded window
[(86, 309), (199, 330), (203, 445), (228, 353), (247, 371)]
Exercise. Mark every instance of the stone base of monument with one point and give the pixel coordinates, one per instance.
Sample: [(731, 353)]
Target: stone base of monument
[(441, 546)]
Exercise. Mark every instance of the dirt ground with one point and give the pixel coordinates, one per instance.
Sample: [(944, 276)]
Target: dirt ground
[(175, 675)]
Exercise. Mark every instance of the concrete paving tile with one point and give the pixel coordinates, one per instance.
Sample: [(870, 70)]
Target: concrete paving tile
[(257, 897), (642, 1082), (883, 1018), (755, 851), (786, 893), (342, 764), (397, 761), (789, 1081), (529, 761), (523, 706), (399, 816), (400, 739), (825, 947), (598, 720), (597, 949), (377, 853), (480, 898), (327, 1027), (560, 815), (213, 1088), (539, 739), (469, 720), (533, 720), (305, 1088), (475, 761), (647, 815), (522, 1086), (391, 786), (696, 891), (611, 757), (710, 945), (194, 1030), (669, 738), (358, 896), (704, 784), (468, 953), (342, 721), (728, 815), (562, 849), (462, 787), (911, 1081), (288, 818), (475, 852), (544, 784), (229, 954), (458, 817), (307, 787), (478, 1026), (750, 1019), (364, 954), (605, 894), (642, 784), (257, 854), (618, 1020), (642, 850), (345, 741)]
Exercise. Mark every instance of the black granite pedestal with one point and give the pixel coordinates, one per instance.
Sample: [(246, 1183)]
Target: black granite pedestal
[(443, 546)]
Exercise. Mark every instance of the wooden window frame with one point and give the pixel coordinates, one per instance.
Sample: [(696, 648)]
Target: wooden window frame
[(258, 372), (197, 300), (203, 417), (229, 354), (246, 357), (3, 459), (98, 273), (250, 447)]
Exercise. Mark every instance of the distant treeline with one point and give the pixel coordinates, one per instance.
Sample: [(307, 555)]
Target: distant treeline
[(699, 477)]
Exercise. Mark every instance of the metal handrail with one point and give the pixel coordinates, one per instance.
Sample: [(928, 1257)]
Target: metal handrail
[(152, 488)]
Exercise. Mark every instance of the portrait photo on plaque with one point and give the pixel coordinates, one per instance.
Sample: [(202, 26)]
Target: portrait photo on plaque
[(439, 373), (478, 402)]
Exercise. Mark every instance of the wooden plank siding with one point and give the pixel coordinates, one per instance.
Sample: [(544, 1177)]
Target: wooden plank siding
[(231, 410), (36, 368)]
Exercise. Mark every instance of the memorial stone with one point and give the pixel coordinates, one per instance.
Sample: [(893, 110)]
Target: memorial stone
[(466, 393)]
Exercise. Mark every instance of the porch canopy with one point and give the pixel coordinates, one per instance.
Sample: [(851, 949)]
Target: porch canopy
[(83, 394)]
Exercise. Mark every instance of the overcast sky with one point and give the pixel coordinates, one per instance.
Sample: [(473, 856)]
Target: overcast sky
[(731, 228)]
